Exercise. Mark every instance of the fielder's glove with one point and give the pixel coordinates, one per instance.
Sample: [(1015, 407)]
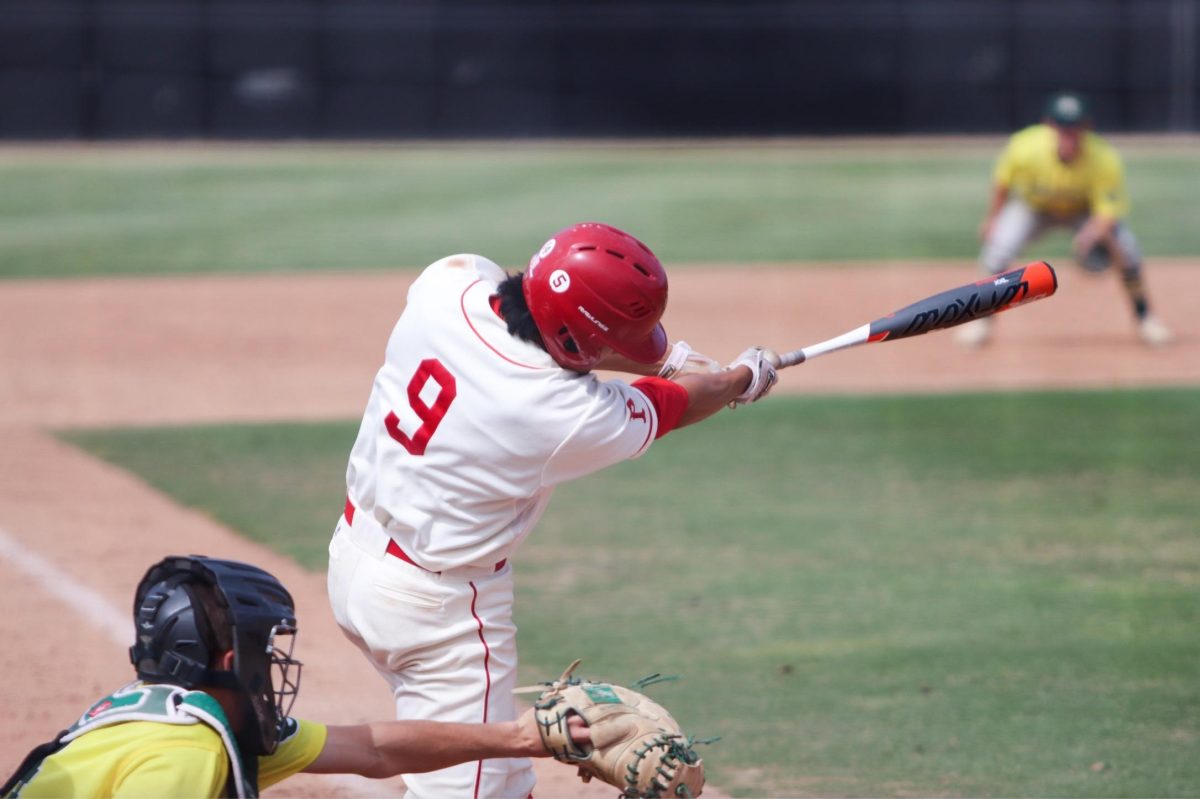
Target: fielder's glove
[(1097, 258), (762, 375), (636, 746), (684, 360)]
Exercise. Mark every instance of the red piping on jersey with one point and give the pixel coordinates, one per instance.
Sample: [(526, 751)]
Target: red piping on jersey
[(646, 440), (487, 672), (462, 301)]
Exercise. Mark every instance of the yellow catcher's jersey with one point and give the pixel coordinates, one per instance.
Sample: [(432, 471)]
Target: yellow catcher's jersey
[(1093, 183), (151, 759)]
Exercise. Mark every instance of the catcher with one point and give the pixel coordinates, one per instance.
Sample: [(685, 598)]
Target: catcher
[(635, 743), (208, 715)]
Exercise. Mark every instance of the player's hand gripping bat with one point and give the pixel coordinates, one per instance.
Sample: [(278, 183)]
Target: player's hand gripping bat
[(947, 309)]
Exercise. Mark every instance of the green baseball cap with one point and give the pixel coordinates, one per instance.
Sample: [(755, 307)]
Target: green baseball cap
[(1067, 109)]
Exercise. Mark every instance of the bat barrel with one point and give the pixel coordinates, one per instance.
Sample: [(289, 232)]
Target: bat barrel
[(1042, 280), (986, 297)]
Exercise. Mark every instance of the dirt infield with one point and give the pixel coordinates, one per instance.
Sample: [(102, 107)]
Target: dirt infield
[(75, 534)]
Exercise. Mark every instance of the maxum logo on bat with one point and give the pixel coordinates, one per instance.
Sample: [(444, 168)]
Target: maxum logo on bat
[(1013, 288), (961, 309)]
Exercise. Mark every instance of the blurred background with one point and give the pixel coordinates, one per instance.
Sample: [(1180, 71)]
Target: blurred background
[(112, 69)]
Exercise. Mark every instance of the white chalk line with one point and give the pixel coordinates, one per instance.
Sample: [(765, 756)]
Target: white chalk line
[(83, 600)]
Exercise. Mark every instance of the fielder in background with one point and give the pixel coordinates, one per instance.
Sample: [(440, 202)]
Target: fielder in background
[(1061, 174), (208, 715), (485, 402)]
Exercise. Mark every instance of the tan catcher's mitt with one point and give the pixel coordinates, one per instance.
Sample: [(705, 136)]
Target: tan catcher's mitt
[(636, 745)]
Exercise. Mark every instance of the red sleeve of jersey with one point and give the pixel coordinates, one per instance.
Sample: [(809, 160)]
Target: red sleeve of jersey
[(669, 399)]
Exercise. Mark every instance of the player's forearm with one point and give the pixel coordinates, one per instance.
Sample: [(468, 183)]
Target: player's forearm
[(428, 746), (709, 393), (384, 749), (1097, 229), (678, 359), (1099, 226), (614, 362), (998, 199)]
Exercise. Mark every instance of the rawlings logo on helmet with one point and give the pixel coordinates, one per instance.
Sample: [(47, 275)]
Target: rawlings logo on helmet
[(593, 319)]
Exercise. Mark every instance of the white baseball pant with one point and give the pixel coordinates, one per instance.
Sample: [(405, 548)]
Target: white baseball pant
[(1018, 224), (445, 642)]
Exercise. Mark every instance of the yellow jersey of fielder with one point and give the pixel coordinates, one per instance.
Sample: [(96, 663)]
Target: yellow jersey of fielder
[(160, 759), (1094, 182)]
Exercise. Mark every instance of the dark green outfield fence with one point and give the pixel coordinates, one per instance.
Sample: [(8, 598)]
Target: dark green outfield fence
[(112, 69)]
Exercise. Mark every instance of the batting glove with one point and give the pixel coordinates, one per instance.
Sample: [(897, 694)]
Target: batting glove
[(684, 360), (762, 375)]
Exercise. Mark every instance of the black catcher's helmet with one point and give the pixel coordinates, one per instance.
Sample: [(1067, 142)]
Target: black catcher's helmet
[(189, 609)]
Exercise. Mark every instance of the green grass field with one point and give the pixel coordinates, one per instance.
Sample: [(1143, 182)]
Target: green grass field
[(161, 211), (975, 595), (971, 595)]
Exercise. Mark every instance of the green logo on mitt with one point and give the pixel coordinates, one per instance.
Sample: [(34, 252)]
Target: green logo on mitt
[(602, 694)]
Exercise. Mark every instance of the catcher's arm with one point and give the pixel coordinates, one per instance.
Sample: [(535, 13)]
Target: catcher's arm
[(387, 748)]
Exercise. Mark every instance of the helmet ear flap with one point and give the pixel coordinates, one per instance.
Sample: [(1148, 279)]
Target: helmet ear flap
[(566, 341), (173, 635)]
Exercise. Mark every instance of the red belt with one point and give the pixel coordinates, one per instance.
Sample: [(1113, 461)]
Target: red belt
[(394, 549)]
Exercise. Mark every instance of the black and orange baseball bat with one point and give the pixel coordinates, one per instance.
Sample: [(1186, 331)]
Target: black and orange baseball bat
[(949, 308)]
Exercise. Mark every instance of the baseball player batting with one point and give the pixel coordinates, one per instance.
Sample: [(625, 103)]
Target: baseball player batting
[(486, 401)]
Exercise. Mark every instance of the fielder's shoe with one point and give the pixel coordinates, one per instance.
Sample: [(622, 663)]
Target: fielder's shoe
[(1153, 332), (974, 334)]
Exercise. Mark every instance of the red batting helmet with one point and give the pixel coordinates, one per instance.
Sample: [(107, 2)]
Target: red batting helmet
[(592, 286)]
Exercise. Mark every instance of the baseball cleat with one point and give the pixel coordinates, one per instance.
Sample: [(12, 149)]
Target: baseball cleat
[(974, 334), (1153, 332)]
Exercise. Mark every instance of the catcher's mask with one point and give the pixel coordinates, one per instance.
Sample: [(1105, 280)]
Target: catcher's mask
[(188, 610), (593, 287)]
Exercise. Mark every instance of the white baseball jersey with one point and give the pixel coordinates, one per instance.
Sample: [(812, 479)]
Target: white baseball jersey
[(468, 429)]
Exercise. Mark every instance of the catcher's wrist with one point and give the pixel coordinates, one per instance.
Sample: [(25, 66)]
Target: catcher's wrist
[(523, 733)]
